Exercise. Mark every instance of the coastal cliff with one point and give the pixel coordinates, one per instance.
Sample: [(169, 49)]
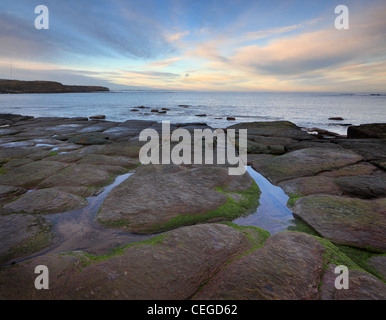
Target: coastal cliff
[(17, 86)]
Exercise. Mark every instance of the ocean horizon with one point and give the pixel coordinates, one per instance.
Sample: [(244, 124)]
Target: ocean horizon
[(305, 109)]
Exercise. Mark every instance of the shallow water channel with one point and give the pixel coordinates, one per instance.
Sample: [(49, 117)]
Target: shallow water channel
[(78, 230), (272, 213)]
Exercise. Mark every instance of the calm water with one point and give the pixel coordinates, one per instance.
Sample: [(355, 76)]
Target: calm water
[(272, 214), (304, 109)]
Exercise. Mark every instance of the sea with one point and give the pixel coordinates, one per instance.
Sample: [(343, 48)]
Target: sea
[(308, 110)]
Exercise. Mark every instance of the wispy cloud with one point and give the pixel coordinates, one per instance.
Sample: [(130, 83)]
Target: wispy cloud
[(240, 45)]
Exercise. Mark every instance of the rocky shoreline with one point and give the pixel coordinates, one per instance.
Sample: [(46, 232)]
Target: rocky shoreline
[(51, 166)]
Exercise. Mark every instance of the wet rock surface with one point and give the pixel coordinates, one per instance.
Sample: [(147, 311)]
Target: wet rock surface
[(174, 267), (351, 221), (367, 131), (157, 194), (362, 186), (288, 267), (305, 162), (44, 201), (21, 235), (49, 166)]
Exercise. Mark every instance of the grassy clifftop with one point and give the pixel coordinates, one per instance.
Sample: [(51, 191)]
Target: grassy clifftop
[(16, 86)]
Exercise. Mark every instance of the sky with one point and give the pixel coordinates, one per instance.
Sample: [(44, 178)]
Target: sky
[(211, 45)]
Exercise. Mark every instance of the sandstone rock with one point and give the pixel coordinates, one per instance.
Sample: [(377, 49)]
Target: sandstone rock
[(161, 197), (98, 159), (367, 131), (90, 139), (272, 141), (9, 153), (68, 157), (121, 132), (44, 201), (77, 175), (362, 286), (310, 185), (30, 174), (379, 264), (21, 235), (381, 164), (81, 191), (137, 125), (362, 186), (258, 157), (174, 267), (317, 143), (327, 284), (363, 168), (98, 117), (305, 162), (288, 267), (370, 149), (125, 149), (350, 221), (256, 148), (98, 126), (8, 193), (4, 132), (275, 128)]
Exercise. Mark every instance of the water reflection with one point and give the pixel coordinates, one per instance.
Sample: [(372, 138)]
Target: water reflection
[(272, 213)]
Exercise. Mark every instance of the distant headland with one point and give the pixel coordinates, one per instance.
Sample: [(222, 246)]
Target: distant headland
[(17, 86)]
